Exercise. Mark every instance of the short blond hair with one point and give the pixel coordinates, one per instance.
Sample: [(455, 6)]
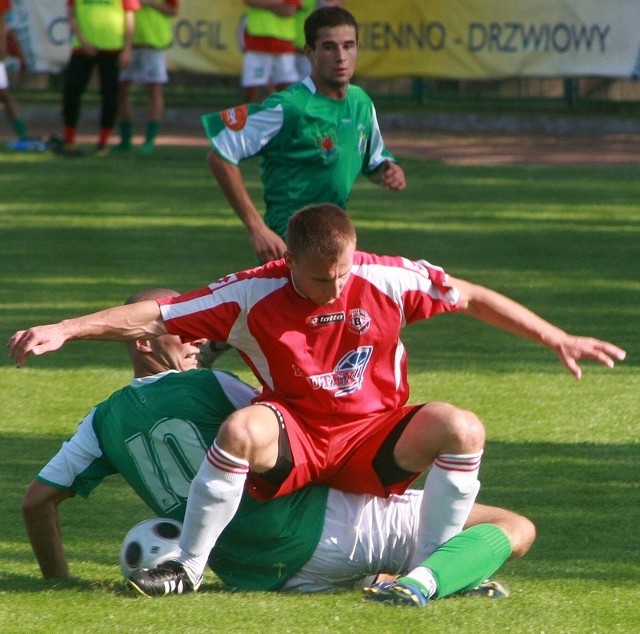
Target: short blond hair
[(323, 230)]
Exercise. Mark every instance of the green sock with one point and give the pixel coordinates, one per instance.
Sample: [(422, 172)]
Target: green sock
[(20, 128), (467, 559), (126, 132), (151, 132)]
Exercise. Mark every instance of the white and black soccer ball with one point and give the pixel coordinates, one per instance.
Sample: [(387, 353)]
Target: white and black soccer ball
[(150, 543)]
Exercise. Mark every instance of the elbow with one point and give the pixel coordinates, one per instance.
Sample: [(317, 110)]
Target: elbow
[(32, 506)]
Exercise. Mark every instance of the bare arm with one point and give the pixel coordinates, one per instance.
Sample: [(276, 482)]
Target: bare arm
[(500, 311), (121, 323), (3, 39), (42, 521), (124, 59), (267, 244), (389, 176)]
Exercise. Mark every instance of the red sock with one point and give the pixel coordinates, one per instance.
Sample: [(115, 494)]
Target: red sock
[(70, 134), (103, 139)]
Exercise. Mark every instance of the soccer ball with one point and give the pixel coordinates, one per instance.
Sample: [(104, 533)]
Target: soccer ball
[(149, 543)]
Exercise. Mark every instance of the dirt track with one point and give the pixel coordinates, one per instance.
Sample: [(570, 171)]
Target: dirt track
[(486, 149), (520, 149), (460, 149)]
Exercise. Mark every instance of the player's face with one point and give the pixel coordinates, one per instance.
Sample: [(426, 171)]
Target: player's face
[(319, 279), (333, 59), (173, 354)]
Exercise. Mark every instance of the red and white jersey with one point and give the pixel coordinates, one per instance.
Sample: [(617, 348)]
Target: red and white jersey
[(339, 362)]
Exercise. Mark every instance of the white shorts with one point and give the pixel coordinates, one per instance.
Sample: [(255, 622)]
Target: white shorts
[(362, 536), (303, 66), (148, 66), (263, 69), (4, 80)]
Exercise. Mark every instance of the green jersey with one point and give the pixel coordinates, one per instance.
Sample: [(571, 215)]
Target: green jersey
[(155, 433), (312, 148)]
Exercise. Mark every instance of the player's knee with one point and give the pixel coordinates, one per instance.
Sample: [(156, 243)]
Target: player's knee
[(522, 536), (462, 430), (246, 432)]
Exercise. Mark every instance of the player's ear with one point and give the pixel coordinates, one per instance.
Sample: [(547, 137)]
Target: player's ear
[(288, 259), (143, 345)]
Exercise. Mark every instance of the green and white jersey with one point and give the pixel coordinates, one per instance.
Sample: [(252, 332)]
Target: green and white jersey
[(155, 433), (312, 148)]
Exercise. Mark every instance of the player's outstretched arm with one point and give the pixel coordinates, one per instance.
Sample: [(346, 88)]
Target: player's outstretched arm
[(502, 312), (131, 321)]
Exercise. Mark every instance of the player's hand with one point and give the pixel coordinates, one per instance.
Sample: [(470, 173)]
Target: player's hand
[(267, 245), (88, 49), (573, 349), (392, 177), (36, 341)]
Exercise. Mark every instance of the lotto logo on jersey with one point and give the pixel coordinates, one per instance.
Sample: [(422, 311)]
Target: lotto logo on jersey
[(323, 320), (348, 374), (235, 118)]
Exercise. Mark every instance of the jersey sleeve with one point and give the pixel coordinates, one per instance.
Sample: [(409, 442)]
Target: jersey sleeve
[(241, 132), (239, 393), (378, 152), (79, 464), (432, 293), (420, 289)]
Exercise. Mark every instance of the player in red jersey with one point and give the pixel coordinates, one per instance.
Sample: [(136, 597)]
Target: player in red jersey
[(321, 331)]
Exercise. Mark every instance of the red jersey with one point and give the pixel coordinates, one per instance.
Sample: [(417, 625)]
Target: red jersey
[(329, 364)]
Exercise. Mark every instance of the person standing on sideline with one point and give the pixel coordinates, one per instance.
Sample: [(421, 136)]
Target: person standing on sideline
[(152, 35), (320, 329), (269, 50), (11, 107), (313, 139), (102, 37)]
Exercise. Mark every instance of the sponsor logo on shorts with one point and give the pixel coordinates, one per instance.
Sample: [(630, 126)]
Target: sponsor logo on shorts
[(235, 118)]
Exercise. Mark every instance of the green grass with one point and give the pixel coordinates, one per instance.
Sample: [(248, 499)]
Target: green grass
[(80, 235)]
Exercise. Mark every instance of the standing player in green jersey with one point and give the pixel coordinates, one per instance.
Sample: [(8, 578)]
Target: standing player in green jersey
[(314, 138), (155, 433)]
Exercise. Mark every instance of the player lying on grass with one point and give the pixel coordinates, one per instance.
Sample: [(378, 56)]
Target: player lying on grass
[(320, 329), (155, 432)]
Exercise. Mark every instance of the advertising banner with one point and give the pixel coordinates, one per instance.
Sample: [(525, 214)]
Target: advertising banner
[(453, 39)]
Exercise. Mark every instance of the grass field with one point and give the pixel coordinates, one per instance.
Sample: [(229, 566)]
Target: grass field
[(77, 236)]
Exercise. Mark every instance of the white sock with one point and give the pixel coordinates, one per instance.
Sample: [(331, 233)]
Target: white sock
[(450, 491), (214, 497), (426, 578)]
